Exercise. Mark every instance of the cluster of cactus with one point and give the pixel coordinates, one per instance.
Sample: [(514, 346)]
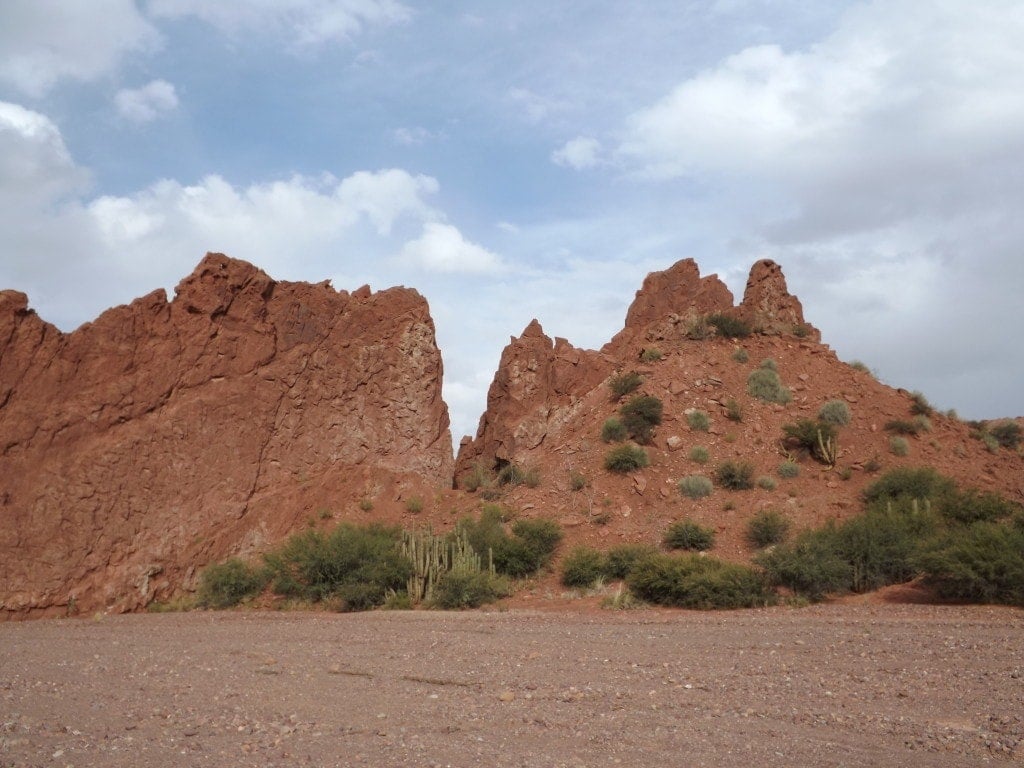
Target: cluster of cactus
[(433, 556)]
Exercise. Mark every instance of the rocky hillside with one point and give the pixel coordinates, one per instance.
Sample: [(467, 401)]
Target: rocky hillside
[(549, 401), (169, 434)]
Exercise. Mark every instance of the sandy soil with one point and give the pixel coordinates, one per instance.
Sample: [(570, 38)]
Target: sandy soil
[(834, 685)]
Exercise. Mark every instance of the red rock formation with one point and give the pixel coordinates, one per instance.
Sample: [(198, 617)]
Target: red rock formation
[(535, 388), (768, 305), (166, 435), (669, 303)]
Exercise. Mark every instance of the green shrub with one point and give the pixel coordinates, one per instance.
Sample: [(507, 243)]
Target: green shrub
[(729, 327), (766, 483), (983, 564), (905, 483), (972, 506), (818, 438), (582, 567), (1007, 434), (478, 477), (767, 527), (899, 446), (902, 427), (764, 384), (881, 545), (577, 481), (733, 411), (740, 355), (625, 383), (366, 505), (692, 581), (835, 412), (699, 454), (613, 431), (768, 364), (355, 564), (625, 458), (990, 442), (686, 534), (222, 585), (919, 405), (468, 589), (621, 559), (736, 476), (698, 421), (857, 365), (513, 474), (922, 423), (529, 548), (414, 504), (651, 355), (809, 565), (788, 469), (640, 415), (695, 486)]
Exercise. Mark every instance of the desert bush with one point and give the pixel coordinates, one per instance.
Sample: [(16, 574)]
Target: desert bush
[(733, 411), (740, 355), (1007, 434), (357, 565), (766, 483), (478, 477), (835, 412), (698, 421), (414, 504), (640, 415), (788, 469), (972, 506), (695, 486), (699, 454), (768, 364), (621, 559), (526, 550), (809, 565), (767, 527), (736, 476), (513, 474), (881, 544), (922, 423), (729, 327), (818, 438), (705, 583), (857, 365), (686, 534), (582, 567), (899, 446), (468, 589), (919, 405), (613, 431), (651, 355), (222, 585), (902, 427), (765, 384), (625, 458), (983, 564), (625, 383), (577, 481), (906, 483)]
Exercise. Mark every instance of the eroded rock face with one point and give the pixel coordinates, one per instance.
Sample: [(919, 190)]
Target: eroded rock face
[(533, 393), (768, 305), (669, 303), (166, 435)]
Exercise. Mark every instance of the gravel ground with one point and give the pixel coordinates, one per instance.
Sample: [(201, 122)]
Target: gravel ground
[(836, 685)]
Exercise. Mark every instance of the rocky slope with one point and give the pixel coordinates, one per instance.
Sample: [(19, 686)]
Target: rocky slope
[(548, 402), (166, 435)]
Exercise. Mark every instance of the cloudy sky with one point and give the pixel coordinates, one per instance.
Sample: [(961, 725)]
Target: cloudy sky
[(536, 159)]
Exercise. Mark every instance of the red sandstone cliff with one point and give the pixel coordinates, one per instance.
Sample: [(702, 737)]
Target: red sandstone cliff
[(166, 435)]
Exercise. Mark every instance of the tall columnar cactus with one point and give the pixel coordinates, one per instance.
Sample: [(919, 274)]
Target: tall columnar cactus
[(433, 556)]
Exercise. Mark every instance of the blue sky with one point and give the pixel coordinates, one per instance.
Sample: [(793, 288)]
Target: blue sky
[(534, 159)]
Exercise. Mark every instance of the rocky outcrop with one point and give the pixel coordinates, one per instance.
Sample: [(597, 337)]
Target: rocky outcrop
[(669, 304), (768, 305), (166, 435), (536, 386)]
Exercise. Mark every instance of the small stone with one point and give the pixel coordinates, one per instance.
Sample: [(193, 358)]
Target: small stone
[(507, 696)]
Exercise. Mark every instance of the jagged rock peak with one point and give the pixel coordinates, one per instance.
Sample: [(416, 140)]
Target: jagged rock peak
[(678, 290), (769, 306)]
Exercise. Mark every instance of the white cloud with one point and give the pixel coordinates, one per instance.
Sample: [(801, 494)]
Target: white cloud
[(530, 106), (442, 248), (35, 166), (304, 23), (411, 137), (145, 104), (44, 41), (579, 153)]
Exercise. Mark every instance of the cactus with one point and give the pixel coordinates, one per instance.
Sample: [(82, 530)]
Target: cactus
[(828, 449), (433, 556)]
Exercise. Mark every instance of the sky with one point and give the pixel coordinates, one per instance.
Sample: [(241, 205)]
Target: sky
[(536, 159)]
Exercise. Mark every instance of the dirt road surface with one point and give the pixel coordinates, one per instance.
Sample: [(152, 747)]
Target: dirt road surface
[(834, 685)]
